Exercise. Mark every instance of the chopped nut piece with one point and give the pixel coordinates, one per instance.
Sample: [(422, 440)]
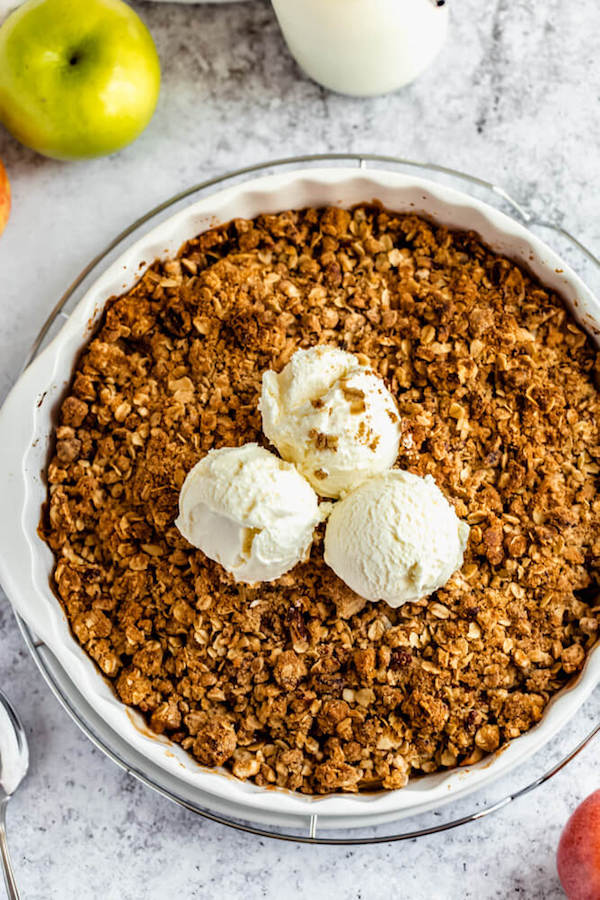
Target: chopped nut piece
[(572, 658), (245, 765), (74, 411), (492, 538), (488, 738), (289, 670), (215, 742)]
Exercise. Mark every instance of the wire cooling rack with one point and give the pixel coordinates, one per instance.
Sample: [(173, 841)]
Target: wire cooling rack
[(544, 766)]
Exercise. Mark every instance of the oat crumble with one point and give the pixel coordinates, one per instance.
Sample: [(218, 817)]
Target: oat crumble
[(300, 683)]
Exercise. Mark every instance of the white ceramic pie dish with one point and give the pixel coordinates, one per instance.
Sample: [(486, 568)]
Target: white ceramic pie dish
[(26, 422)]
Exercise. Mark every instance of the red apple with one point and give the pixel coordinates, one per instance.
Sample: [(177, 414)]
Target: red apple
[(578, 857), (4, 198)]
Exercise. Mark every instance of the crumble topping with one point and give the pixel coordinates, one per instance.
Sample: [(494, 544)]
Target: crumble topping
[(300, 682), (324, 441)]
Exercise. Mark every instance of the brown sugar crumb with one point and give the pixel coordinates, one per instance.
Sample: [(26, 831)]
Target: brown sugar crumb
[(323, 441), (351, 393), (355, 397), (215, 740), (301, 683)]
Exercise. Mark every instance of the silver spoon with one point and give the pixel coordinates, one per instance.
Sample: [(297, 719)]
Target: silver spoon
[(14, 762)]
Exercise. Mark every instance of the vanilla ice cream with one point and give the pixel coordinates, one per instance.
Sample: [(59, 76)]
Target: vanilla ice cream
[(332, 417), (395, 538), (249, 511)]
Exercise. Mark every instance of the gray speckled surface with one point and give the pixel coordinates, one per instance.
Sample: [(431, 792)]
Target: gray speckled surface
[(513, 98)]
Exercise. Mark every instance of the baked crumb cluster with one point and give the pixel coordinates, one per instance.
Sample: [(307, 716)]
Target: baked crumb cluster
[(300, 683)]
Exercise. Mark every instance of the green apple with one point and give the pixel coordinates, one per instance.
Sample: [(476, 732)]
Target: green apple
[(78, 78)]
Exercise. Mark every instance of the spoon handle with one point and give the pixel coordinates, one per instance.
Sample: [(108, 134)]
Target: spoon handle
[(9, 878)]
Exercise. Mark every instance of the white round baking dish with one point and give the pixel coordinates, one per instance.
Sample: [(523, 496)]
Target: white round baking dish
[(26, 422)]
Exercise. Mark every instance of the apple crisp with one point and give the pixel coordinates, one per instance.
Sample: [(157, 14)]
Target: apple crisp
[(300, 683)]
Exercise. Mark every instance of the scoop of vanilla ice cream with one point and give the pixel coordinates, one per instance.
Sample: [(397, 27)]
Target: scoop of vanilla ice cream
[(395, 538), (249, 511), (332, 417)]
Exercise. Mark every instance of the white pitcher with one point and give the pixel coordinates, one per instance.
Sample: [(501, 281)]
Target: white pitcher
[(363, 47)]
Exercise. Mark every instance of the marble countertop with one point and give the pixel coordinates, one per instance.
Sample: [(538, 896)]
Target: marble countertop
[(513, 98)]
